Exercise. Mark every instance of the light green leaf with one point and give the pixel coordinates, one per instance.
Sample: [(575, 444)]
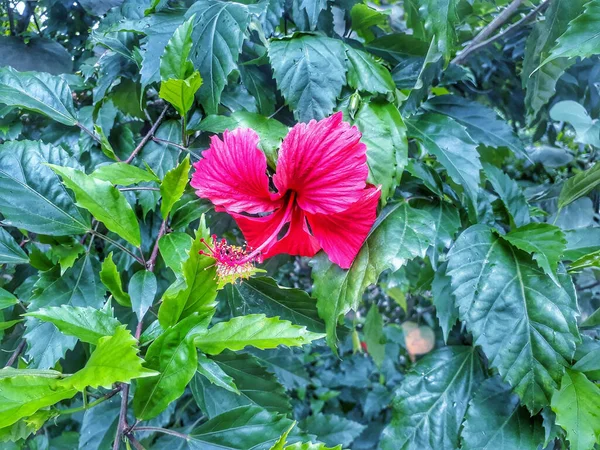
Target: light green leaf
[(253, 330), (495, 420), (582, 37), (105, 144), (449, 142), (577, 408), (38, 92), (364, 17), (175, 249), (104, 201), (86, 324), (367, 74), (196, 288), (545, 242), (579, 185), (10, 251), (31, 195), (431, 403), (581, 242), (588, 130), (7, 299), (180, 93), (123, 174), (310, 72), (384, 134), (142, 290), (332, 429), (441, 18), (510, 193), (374, 335), (109, 275), (115, 359), (400, 233), (213, 373), (9, 324), (174, 62), (173, 185), (523, 321), (585, 262), (173, 355)]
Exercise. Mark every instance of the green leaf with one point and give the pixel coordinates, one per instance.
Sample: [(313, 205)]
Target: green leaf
[(581, 242), (104, 201), (588, 130), (195, 290), (218, 36), (374, 336), (510, 193), (363, 18), (159, 157), (109, 275), (441, 18), (545, 242), (367, 74), (31, 195), (180, 93), (482, 123), (7, 299), (449, 142), (38, 92), (174, 62), (582, 37), (523, 321), (384, 134), (173, 185), (10, 251), (400, 233), (541, 84), (447, 222), (21, 394), (8, 324), (213, 373), (142, 290), (86, 324), (332, 429), (495, 420), (313, 9), (430, 404), (115, 359), (123, 174), (105, 144), (263, 295), (445, 308), (579, 185), (99, 425), (310, 72), (430, 69), (585, 262), (173, 355), (577, 408), (253, 330), (175, 249), (256, 387)]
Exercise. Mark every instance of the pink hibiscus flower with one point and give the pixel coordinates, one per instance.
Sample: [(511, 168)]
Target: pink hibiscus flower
[(321, 193)]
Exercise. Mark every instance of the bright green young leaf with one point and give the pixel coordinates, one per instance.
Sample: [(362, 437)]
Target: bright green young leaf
[(10, 251), (115, 359), (585, 262), (310, 72), (213, 373), (180, 93), (545, 242), (123, 174), (254, 330), (579, 185), (384, 134), (588, 130), (449, 142), (364, 17), (510, 193), (332, 429), (142, 290), (577, 408), (195, 289), (374, 336), (8, 324), (112, 280), (38, 92), (7, 299), (105, 144), (507, 304), (258, 295), (401, 233), (495, 420), (173, 355), (175, 249), (431, 403), (173, 185), (31, 195), (367, 74), (582, 37), (174, 62), (104, 201), (86, 324)]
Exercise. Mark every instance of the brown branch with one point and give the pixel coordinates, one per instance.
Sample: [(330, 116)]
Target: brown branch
[(148, 136), (154, 255), (88, 131), (511, 29), (15, 354), (122, 425), (136, 444)]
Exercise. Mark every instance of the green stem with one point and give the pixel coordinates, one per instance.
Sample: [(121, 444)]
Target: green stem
[(116, 244), (87, 405)]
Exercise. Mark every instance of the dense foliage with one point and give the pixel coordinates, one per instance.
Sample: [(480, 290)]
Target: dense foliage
[(468, 319)]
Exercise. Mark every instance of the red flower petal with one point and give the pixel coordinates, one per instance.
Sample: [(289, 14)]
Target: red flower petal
[(324, 163), (297, 240), (342, 234), (233, 174)]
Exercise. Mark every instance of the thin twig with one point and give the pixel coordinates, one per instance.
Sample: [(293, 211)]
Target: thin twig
[(136, 444), (88, 131), (148, 136), (139, 188), (162, 430), (511, 29), (154, 254), (116, 244), (15, 354), (11, 18), (180, 147), (122, 425)]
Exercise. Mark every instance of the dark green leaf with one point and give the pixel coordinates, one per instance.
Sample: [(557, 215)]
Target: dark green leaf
[(10, 251), (588, 130), (374, 336), (142, 290), (367, 74), (441, 18), (332, 429), (510, 194), (445, 308)]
